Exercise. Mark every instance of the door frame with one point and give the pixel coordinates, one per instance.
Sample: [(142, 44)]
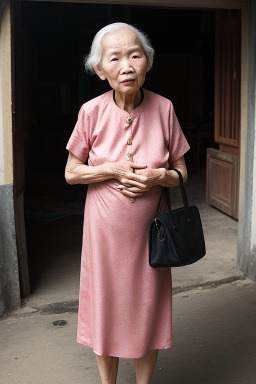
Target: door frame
[(245, 193)]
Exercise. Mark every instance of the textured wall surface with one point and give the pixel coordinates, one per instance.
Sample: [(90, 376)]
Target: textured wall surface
[(9, 274), (252, 117), (6, 91), (246, 255)]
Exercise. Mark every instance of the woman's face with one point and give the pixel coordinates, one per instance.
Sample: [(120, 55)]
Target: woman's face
[(123, 63)]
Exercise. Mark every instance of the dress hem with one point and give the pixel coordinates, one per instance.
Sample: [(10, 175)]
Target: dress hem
[(166, 346)]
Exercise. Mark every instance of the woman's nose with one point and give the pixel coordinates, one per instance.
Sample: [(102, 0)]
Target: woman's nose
[(126, 66)]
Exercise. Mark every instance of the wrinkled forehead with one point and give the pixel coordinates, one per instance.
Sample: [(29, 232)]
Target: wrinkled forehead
[(119, 39)]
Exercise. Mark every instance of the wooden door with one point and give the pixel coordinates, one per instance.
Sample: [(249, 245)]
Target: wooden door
[(20, 75), (223, 164)]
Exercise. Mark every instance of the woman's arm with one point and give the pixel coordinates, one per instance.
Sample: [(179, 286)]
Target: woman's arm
[(170, 177), (76, 172)]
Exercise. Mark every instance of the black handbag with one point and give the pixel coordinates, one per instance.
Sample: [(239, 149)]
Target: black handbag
[(176, 237)]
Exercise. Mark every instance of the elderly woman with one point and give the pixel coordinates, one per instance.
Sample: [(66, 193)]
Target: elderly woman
[(132, 139)]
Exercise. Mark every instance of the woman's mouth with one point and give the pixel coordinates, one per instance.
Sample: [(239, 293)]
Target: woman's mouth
[(128, 82)]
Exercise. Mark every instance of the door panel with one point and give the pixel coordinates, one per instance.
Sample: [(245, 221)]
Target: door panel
[(227, 81), (222, 181), (223, 164)]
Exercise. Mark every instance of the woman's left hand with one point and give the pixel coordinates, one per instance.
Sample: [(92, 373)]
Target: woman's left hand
[(152, 177)]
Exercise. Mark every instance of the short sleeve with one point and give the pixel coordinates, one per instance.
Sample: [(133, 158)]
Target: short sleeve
[(79, 141), (178, 144)]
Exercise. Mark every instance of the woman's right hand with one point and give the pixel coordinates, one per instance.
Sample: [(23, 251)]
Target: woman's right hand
[(123, 171)]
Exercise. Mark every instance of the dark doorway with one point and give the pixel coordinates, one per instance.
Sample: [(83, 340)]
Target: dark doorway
[(58, 37)]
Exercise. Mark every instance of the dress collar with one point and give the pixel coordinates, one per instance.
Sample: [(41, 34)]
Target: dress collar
[(135, 111)]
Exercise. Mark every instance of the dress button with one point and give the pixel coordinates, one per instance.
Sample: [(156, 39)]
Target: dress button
[(132, 200), (129, 154), (129, 120), (129, 142)]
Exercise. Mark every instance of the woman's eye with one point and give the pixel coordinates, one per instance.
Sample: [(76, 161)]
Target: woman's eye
[(135, 56), (113, 59)]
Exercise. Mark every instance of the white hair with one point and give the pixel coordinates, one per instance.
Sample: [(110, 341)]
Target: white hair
[(95, 55)]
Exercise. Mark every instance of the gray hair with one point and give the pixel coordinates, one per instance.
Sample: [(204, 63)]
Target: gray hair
[(94, 57)]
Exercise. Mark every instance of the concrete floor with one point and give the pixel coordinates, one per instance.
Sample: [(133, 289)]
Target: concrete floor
[(214, 342)]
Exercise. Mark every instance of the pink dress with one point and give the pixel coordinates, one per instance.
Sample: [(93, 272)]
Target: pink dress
[(125, 306)]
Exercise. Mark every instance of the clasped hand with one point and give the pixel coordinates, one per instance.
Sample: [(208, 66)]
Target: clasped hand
[(135, 179)]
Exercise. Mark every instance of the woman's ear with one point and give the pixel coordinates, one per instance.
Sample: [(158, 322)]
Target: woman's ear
[(99, 72)]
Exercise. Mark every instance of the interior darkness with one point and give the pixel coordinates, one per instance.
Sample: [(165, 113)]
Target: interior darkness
[(58, 37)]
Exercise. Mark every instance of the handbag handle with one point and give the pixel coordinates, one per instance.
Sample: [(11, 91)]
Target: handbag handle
[(183, 190), (166, 192)]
